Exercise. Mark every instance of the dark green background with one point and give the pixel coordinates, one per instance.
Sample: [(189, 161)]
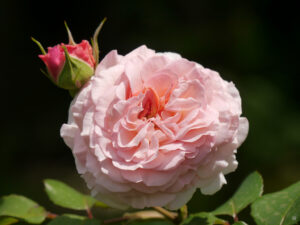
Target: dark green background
[(255, 44)]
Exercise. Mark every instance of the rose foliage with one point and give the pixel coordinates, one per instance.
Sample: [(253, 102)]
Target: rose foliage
[(280, 208)]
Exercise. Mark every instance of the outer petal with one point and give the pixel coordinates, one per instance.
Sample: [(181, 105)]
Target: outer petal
[(243, 130), (111, 59)]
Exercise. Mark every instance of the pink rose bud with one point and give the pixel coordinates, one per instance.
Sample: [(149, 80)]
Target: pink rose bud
[(73, 71), (71, 65), (80, 54)]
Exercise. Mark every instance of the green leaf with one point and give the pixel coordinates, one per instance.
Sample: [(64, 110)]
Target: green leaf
[(239, 223), (150, 222), (279, 208), (75, 216), (100, 204), (7, 220), (65, 220), (248, 192), (23, 208), (203, 218), (65, 196)]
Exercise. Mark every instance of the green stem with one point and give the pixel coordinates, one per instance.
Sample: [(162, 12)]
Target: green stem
[(51, 215), (183, 212), (88, 210), (235, 218), (89, 213), (166, 213)]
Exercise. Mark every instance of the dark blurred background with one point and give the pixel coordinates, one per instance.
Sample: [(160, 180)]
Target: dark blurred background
[(255, 44)]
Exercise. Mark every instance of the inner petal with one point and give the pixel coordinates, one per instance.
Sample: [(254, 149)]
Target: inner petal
[(150, 104)]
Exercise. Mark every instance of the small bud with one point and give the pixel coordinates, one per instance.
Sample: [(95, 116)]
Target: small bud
[(69, 66)]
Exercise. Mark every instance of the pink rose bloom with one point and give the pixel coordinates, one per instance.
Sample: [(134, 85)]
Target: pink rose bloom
[(55, 58), (150, 128)]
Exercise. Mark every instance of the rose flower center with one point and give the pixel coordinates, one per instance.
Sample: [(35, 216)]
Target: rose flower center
[(150, 104)]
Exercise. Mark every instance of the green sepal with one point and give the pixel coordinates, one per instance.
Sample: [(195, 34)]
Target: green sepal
[(74, 74), (66, 77), (39, 45), (95, 42), (73, 92), (70, 36), (47, 74)]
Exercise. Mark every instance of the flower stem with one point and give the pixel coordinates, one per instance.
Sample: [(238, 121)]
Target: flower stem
[(166, 213), (235, 218), (51, 215), (89, 213), (183, 213)]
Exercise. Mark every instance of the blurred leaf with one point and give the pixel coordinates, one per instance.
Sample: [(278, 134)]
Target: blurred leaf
[(65, 220), (240, 223), (282, 208), (100, 204), (248, 192), (65, 196), (7, 220), (150, 222), (75, 216), (202, 218), (23, 208)]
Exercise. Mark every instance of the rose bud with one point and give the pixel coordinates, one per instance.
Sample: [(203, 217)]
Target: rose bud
[(150, 128), (70, 66)]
